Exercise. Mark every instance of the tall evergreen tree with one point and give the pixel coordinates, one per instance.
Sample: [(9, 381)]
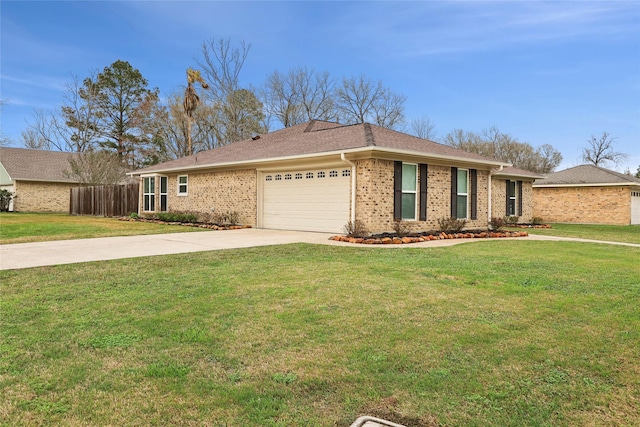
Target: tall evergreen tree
[(121, 93)]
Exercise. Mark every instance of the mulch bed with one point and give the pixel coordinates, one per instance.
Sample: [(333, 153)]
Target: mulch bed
[(187, 224), (388, 239)]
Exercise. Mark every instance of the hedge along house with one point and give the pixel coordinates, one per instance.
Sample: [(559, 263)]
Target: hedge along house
[(588, 194), (318, 176), (512, 192), (37, 178)]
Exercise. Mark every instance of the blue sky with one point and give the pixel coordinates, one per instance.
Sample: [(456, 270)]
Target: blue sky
[(546, 72)]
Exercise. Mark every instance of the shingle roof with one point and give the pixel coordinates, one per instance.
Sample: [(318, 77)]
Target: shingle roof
[(515, 172), (316, 137), (35, 165), (586, 175)]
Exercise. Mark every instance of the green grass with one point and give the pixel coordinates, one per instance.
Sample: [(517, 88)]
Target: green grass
[(502, 333), (38, 227), (613, 233)]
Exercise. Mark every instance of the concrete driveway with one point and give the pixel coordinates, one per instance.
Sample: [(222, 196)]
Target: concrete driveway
[(26, 255)]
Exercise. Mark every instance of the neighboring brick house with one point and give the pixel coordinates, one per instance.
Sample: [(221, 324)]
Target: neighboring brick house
[(588, 194), (317, 176), (37, 179), (511, 194)]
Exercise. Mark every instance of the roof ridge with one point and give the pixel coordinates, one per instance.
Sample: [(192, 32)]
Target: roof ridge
[(368, 135)]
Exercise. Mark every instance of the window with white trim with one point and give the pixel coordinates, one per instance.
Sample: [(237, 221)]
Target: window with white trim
[(298, 175), (309, 175), (183, 185), (462, 194), (149, 193), (164, 193), (511, 208), (409, 191), (321, 174), (333, 174), (287, 176), (346, 172)]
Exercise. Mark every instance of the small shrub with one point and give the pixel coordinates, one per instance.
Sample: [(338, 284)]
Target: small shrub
[(451, 225), (536, 220), (188, 217), (355, 229), (134, 215), (511, 220), (400, 227), (232, 217), (496, 223), (224, 218)]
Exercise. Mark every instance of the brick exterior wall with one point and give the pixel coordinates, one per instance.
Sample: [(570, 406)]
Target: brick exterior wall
[(217, 192), (42, 196), (595, 205), (499, 195), (238, 191), (374, 197)]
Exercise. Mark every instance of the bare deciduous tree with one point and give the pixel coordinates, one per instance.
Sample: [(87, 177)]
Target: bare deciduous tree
[(97, 168), (493, 143), (359, 100), (299, 96), (74, 127), (600, 151), (423, 127), (4, 140), (239, 112)]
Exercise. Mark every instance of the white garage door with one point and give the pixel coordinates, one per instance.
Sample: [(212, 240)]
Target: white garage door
[(635, 207), (308, 200)]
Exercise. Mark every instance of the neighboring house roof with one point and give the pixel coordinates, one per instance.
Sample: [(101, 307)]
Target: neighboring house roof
[(35, 165), (586, 175), (315, 139), (511, 172)]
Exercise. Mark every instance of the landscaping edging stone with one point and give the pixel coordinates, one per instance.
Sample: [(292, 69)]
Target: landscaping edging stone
[(186, 224), (426, 238)]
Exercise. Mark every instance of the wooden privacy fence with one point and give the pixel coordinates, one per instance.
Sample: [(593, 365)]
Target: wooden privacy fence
[(104, 200)]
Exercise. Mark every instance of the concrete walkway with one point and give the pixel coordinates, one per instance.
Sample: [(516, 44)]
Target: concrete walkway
[(27, 255)]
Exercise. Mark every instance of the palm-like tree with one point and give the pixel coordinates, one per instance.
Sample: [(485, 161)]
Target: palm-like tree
[(191, 100)]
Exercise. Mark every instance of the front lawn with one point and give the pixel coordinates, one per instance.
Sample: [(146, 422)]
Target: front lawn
[(613, 233), (502, 333), (39, 227)]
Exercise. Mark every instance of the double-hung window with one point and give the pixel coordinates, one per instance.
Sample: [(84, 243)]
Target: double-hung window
[(409, 191), (511, 203), (183, 185), (164, 185), (149, 193), (462, 193)]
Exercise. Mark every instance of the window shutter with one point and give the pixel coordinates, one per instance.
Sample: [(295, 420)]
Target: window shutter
[(454, 192), (519, 198), (423, 192), (474, 193), (397, 190), (506, 206)]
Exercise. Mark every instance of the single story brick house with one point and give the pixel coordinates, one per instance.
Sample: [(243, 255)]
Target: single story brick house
[(37, 179), (588, 194), (317, 176)]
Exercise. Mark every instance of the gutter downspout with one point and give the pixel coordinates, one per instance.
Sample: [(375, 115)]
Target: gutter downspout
[(491, 173), (353, 186)]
